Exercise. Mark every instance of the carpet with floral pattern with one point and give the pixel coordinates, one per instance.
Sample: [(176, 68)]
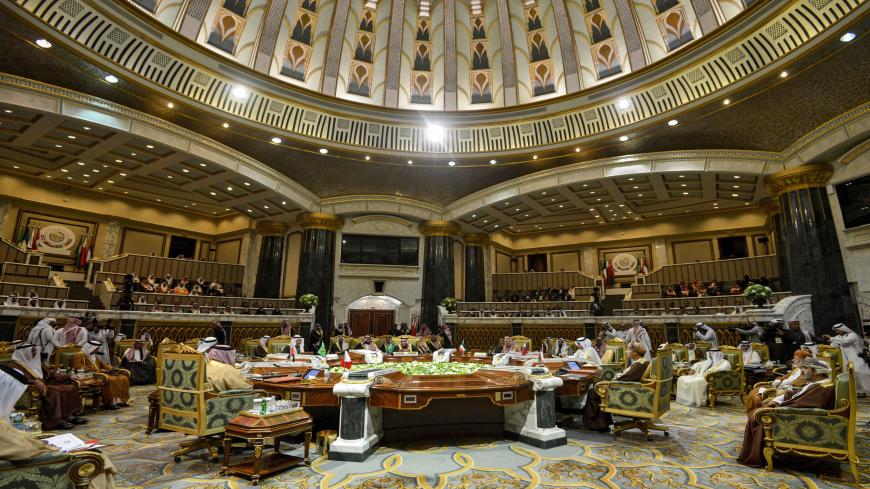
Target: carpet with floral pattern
[(700, 452)]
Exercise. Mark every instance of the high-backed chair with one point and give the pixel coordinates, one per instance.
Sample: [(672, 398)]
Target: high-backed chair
[(833, 356), (521, 341), (57, 470), (248, 346), (763, 351), (727, 382), (412, 340), (189, 405), (333, 341), (618, 360), (701, 348), (813, 432), (277, 343), (64, 354), (642, 402)]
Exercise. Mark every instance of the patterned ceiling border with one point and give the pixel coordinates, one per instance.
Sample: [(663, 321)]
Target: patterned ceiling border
[(792, 26)]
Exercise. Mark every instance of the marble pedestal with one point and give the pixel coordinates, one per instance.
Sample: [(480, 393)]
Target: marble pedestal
[(534, 422), (359, 426)]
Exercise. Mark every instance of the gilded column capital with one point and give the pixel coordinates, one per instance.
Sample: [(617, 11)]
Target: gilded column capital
[(319, 220), (476, 239), (769, 205), (439, 228), (271, 228), (798, 178)]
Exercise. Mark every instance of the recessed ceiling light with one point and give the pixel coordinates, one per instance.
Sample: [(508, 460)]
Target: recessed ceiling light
[(71, 136), (514, 209), (111, 78), (783, 74), (15, 166), (247, 184), (683, 184), (159, 200), (87, 175), (323, 151), (847, 37), (368, 157), (576, 150), (561, 206), (86, 128), (230, 189), (99, 188), (69, 178), (110, 181), (45, 44), (621, 205), (640, 195), (659, 214), (169, 176), (747, 203), (276, 140), (193, 204), (265, 207), (185, 206), (64, 170), (726, 101), (95, 170), (496, 225), (249, 210), (591, 192), (239, 91), (526, 215), (58, 146), (492, 162), (226, 208), (607, 205), (185, 170), (685, 193), (735, 195), (598, 199), (737, 176), (149, 146), (735, 186), (681, 176), (132, 154), (435, 133), (80, 163), (451, 163), (283, 202), (212, 193), (585, 184), (202, 165), (474, 215), (673, 122), (485, 221), (534, 157), (170, 105), (507, 203), (225, 125), (635, 187), (123, 174), (623, 138), (623, 103), (410, 162)]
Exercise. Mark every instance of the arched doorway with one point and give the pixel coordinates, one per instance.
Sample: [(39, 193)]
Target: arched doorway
[(372, 314)]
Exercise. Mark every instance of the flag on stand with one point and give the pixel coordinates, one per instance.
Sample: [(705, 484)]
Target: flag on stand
[(346, 362), (24, 238), (34, 238), (644, 267), (292, 353), (541, 355), (462, 347), (413, 331), (322, 350), (525, 350), (611, 274)]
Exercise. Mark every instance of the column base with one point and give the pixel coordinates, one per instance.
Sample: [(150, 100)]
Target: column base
[(353, 450), (540, 438)]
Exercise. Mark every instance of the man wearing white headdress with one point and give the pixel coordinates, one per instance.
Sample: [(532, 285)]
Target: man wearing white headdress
[(692, 389), (71, 333), (852, 346), (222, 372), (59, 395), (138, 360), (263, 348), (20, 446), (639, 334), (206, 344), (297, 342), (811, 348), (585, 352), (41, 335), (561, 348), (706, 333), (750, 356), (116, 390)]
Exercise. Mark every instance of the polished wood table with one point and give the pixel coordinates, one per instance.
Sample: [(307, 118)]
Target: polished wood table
[(255, 430), (92, 388)]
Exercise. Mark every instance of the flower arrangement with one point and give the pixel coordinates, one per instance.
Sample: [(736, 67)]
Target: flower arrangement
[(758, 294), (308, 300), (450, 304), (419, 368)]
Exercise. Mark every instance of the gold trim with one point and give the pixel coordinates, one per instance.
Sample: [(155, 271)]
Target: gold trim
[(439, 228), (271, 228), (769, 205), (319, 220), (476, 239), (799, 178), (855, 152)]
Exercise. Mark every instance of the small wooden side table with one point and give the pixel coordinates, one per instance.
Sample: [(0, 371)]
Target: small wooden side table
[(92, 388), (254, 429)]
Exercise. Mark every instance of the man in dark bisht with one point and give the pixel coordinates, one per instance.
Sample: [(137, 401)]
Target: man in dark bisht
[(593, 417), (59, 394), (142, 366)]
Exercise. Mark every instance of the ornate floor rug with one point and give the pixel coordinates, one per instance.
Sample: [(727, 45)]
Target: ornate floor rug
[(700, 452)]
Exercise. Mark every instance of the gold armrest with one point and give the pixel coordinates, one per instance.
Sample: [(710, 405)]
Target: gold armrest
[(684, 371), (758, 385), (86, 466)]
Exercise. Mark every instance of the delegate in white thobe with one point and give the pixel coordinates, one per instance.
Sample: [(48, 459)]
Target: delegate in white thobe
[(640, 335), (851, 345), (692, 389)]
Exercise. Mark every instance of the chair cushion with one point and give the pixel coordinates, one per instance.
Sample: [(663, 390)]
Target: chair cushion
[(47, 470), (726, 380), (812, 430), (841, 390), (629, 396), (180, 374), (220, 410)]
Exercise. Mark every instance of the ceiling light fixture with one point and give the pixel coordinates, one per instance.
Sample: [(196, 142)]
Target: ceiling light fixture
[(474, 215), (492, 162), (276, 140), (87, 175), (576, 150), (71, 136), (410, 162), (435, 133), (123, 174), (323, 151), (185, 170), (783, 74), (111, 181), (170, 105), (623, 138), (80, 163), (735, 195), (159, 200), (623, 103), (640, 195), (737, 177), (847, 37), (86, 128), (111, 78), (247, 184), (534, 157), (239, 91), (45, 44), (225, 125), (283, 202), (685, 193), (64, 170), (265, 207), (212, 193), (726, 101), (368, 157), (169, 177), (229, 189), (58, 146), (451, 163), (95, 170), (202, 165), (673, 122), (149, 146)]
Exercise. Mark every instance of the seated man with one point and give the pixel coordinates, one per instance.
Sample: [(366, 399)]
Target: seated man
[(19, 446), (263, 348), (750, 356), (430, 344), (593, 417), (367, 344), (818, 392), (340, 346), (561, 348), (116, 390), (142, 366), (405, 346), (791, 380), (297, 345), (222, 372), (61, 402), (585, 352), (692, 388)]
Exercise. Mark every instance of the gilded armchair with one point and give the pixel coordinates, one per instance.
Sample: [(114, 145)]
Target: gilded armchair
[(763, 351), (30, 399), (642, 402), (277, 343), (727, 382), (187, 403), (248, 347), (57, 470), (833, 356), (814, 432), (618, 359)]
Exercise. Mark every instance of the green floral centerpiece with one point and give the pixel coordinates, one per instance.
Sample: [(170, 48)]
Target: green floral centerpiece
[(418, 368), (308, 301), (450, 304), (758, 294)]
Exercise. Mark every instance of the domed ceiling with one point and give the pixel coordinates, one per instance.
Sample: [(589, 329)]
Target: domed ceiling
[(444, 55)]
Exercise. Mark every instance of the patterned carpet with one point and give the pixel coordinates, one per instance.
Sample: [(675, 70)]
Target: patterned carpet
[(700, 452)]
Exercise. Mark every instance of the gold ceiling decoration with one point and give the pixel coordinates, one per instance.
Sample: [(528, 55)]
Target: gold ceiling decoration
[(271, 228), (439, 228), (769, 206), (476, 239), (319, 220), (799, 178)]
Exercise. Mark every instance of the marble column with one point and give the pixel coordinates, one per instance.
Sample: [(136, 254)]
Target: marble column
[(360, 426), (317, 263), (812, 250), (270, 267), (475, 274), (113, 233), (438, 277), (774, 213), (5, 210)]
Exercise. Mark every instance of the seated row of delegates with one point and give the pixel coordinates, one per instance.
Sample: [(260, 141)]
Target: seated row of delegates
[(61, 403), (790, 380), (20, 446)]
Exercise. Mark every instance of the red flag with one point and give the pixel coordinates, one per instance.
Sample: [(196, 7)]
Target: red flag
[(292, 353), (610, 272), (461, 347), (525, 350), (541, 355), (33, 238), (413, 331), (346, 362), (83, 255)]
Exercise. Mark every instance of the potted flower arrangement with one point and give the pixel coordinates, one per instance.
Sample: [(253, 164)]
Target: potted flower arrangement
[(450, 303), (308, 301), (758, 294)]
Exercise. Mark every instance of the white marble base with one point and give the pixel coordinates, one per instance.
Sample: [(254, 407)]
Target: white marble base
[(354, 450)]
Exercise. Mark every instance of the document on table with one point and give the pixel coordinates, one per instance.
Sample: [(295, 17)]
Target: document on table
[(69, 442)]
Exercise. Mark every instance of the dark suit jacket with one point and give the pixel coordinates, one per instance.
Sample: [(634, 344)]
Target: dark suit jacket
[(635, 372)]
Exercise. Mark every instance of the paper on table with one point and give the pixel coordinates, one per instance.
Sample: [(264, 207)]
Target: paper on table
[(66, 442)]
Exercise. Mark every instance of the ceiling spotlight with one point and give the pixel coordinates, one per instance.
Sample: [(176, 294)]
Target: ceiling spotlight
[(265, 207), (623, 103), (149, 146), (323, 151), (685, 193), (410, 162), (202, 165), (99, 188), (737, 176), (111, 78), (435, 133), (69, 178), (64, 170), (185, 170), (71, 136), (849, 36), (43, 43), (621, 205), (86, 128), (492, 162), (170, 105), (561, 206), (58, 146), (474, 215), (15, 166), (111, 181), (368, 157), (132, 154), (212, 194), (87, 175), (80, 163), (485, 221), (169, 177), (735, 195), (534, 157), (783, 74), (283, 202), (229, 189), (726, 101), (239, 91), (640, 195), (673, 122), (249, 210), (681, 176), (247, 184), (451, 163), (119, 161), (123, 174), (276, 140), (623, 138), (576, 150), (159, 200), (225, 125)]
